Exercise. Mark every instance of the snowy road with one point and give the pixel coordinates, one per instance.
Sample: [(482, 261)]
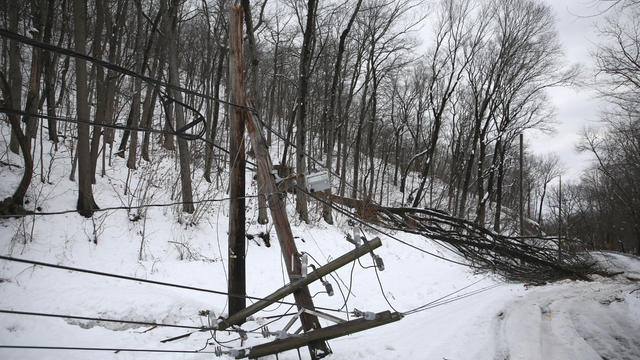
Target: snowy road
[(572, 320)]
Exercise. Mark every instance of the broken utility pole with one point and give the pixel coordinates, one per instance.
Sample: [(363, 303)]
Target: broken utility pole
[(328, 333), (237, 281), (302, 282), (317, 348)]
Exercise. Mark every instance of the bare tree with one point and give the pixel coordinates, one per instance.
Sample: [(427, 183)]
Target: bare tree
[(618, 61), (301, 118), (548, 168), (331, 112), (458, 38), (86, 204), (171, 32)]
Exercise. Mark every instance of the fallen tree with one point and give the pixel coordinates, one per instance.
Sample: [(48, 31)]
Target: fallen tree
[(528, 259)]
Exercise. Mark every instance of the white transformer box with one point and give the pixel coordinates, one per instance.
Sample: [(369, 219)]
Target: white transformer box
[(318, 181)]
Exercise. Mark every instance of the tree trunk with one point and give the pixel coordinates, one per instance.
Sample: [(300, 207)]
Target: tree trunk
[(114, 32), (255, 99), (149, 105), (370, 137), (480, 209), (171, 28), (326, 209), (100, 88), (33, 93), (435, 134), (468, 170), (303, 88), (49, 64), (216, 111), (135, 103), (86, 205), (362, 117), (23, 141), (15, 74)]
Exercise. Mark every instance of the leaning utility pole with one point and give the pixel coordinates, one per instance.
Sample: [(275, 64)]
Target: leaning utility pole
[(237, 281), (317, 348)]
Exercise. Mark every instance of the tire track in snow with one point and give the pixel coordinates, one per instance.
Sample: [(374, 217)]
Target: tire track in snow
[(571, 320)]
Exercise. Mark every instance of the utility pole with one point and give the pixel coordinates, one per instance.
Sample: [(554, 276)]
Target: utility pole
[(560, 218), (521, 185), (236, 260), (317, 348)]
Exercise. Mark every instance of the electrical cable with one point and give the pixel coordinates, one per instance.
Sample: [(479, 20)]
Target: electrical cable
[(124, 277), (117, 127), (454, 299), (278, 317), (345, 298), (62, 212), (375, 268), (442, 297), (32, 347), (146, 323), (107, 65)]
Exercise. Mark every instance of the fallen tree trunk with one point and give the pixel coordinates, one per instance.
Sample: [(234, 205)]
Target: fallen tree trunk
[(530, 259)]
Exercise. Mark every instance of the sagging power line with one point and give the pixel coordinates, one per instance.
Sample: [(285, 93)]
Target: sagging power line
[(107, 65), (131, 278), (70, 211)]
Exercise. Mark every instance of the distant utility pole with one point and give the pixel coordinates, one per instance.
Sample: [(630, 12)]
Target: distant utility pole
[(237, 281), (521, 185), (560, 218)]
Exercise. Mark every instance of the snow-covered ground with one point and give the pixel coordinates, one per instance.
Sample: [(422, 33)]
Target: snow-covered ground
[(471, 316)]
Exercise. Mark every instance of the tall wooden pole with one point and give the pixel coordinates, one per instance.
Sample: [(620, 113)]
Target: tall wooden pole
[(317, 348), (237, 283), (560, 218), (521, 185)]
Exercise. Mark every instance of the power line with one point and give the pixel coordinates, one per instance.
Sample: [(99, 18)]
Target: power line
[(85, 122), (454, 299), (110, 126), (177, 133), (134, 322), (117, 68), (124, 277), (416, 309), (61, 212), (375, 268), (75, 348)]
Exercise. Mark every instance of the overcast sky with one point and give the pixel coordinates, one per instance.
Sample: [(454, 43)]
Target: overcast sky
[(576, 108)]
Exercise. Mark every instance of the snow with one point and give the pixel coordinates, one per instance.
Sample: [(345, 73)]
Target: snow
[(474, 316)]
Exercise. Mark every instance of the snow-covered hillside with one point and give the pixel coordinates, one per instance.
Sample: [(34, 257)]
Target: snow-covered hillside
[(468, 316)]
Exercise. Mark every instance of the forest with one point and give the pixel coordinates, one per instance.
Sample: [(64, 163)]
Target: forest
[(407, 103)]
